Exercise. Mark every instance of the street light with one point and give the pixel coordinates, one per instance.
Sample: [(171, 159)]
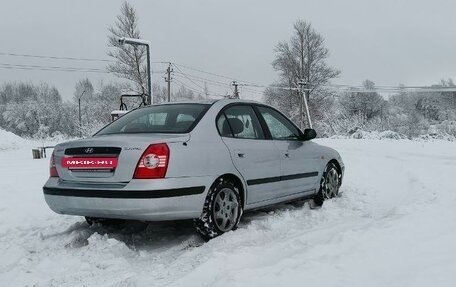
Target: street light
[(140, 42), (79, 104)]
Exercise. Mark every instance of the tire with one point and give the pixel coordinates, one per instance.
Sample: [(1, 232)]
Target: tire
[(329, 185), (122, 225), (222, 210)]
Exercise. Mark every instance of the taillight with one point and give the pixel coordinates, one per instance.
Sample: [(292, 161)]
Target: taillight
[(153, 162), (52, 168)]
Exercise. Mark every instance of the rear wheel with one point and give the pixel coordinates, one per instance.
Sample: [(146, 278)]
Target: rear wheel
[(222, 210), (329, 185)]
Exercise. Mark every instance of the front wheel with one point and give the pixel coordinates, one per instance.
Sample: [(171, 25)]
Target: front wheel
[(329, 184), (222, 210)]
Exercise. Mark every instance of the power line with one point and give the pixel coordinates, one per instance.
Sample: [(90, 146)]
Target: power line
[(357, 88), (390, 89), (193, 78), (210, 73), (51, 67), (54, 57), (188, 77), (160, 62), (186, 86), (67, 58), (205, 80), (361, 89), (95, 70), (50, 70), (56, 68), (252, 91), (197, 91)]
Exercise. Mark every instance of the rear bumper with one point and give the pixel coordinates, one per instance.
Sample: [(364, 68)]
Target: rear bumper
[(100, 193), (150, 200)]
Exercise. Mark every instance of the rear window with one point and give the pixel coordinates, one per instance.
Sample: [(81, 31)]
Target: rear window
[(171, 118)]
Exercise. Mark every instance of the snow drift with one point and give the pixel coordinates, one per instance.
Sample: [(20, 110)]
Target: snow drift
[(8, 140), (394, 225)]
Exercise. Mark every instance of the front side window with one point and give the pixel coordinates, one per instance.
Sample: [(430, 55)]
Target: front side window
[(172, 118), (240, 122), (279, 126)]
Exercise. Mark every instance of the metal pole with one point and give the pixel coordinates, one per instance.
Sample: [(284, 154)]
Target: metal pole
[(303, 84), (149, 78), (79, 104), (301, 113), (168, 80), (236, 92)]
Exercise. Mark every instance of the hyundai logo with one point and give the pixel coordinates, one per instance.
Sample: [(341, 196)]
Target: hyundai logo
[(89, 150)]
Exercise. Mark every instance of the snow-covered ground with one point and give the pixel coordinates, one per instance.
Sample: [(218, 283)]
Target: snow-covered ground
[(394, 225)]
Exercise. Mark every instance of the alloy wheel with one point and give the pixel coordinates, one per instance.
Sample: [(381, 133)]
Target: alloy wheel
[(225, 209)]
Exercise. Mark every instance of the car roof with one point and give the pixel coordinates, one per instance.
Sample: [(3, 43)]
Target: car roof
[(207, 101), (211, 101)]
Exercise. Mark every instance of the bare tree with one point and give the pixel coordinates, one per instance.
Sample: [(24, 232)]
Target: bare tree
[(130, 61), (160, 93), (184, 94), (303, 58), (83, 88), (284, 99)]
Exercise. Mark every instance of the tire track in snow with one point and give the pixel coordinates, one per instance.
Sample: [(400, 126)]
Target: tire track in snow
[(289, 240)]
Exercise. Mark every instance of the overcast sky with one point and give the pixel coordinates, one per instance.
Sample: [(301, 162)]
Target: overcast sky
[(389, 42)]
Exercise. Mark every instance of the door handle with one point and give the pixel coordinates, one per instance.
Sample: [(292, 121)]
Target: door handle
[(286, 154), (239, 153)]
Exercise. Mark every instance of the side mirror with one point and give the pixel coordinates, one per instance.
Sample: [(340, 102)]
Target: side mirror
[(309, 134)]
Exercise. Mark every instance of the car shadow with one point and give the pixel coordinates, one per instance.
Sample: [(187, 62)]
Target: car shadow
[(178, 234)]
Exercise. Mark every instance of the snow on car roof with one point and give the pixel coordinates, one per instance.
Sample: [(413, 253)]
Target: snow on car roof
[(117, 112)]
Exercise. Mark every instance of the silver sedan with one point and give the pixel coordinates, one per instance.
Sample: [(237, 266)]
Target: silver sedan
[(208, 161)]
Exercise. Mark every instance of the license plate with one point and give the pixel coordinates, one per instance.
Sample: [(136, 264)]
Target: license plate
[(89, 162)]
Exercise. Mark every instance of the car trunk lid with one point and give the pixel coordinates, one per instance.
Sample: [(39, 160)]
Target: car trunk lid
[(125, 149)]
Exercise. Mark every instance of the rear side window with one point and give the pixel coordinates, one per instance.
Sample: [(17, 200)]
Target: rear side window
[(240, 122), (172, 118)]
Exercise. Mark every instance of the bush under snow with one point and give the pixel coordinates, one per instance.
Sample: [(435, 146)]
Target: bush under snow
[(375, 135)]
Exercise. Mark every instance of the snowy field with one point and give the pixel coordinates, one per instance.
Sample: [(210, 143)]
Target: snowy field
[(394, 225)]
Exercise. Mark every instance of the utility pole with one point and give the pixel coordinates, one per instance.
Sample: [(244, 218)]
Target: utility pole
[(168, 79), (79, 105), (236, 91), (149, 77), (304, 97), (206, 90), (301, 113)]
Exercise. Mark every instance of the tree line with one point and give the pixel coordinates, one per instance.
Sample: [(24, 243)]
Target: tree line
[(303, 58), (38, 110)]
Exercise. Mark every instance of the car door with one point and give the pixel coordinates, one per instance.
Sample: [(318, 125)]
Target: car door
[(299, 160), (256, 158)]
